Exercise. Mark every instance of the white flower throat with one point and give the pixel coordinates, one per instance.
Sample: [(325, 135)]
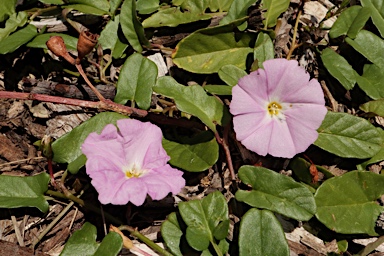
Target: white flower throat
[(135, 171)]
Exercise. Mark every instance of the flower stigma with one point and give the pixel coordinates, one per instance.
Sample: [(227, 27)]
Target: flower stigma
[(274, 108), (134, 172)]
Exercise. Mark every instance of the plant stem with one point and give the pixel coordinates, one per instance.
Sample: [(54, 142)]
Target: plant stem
[(224, 144), (217, 249), (293, 45), (104, 105), (98, 94), (145, 239)]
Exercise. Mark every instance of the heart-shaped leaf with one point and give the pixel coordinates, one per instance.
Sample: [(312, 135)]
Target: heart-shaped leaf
[(24, 191), (171, 232), (346, 135), (285, 196), (207, 50), (192, 154), (261, 234), (347, 204), (83, 242), (193, 100), (137, 77)]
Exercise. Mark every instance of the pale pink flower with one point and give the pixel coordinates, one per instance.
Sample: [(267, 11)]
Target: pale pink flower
[(127, 164), (278, 109)]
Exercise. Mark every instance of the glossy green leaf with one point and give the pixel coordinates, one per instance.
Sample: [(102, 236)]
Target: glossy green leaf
[(202, 218), (347, 204), (231, 74), (261, 234), (171, 232), (191, 155), (264, 49), (220, 5), (369, 45), (147, 6), (273, 10), (40, 41), (218, 89), (344, 21), (371, 81), (359, 23), (108, 36), (137, 77), (377, 10), (286, 196), (339, 68), (207, 50), (7, 8), (83, 243), (379, 155), (189, 11), (24, 191), (99, 4), (132, 28), (194, 101), (17, 39), (67, 148), (86, 9), (375, 106), (14, 21), (238, 10), (349, 136)]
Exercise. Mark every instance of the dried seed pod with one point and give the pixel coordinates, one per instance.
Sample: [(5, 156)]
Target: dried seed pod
[(85, 44), (57, 46)]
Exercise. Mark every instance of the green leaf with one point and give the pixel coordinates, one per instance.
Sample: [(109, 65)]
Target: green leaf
[(375, 106), (7, 8), (371, 81), (261, 234), (300, 168), (132, 28), (359, 23), (286, 196), (339, 68), (344, 21), (369, 45), (220, 5), (349, 136), (108, 36), (17, 39), (99, 4), (194, 101), (171, 232), (379, 155), (67, 148), (40, 41), (24, 191), (14, 21), (273, 10), (231, 74), (137, 77), (264, 49), (86, 9), (58, 2), (191, 155), (377, 10), (83, 243), (207, 50), (189, 11), (347, 204), (202, 218), (218, 89), (238, 10), (147, 6)]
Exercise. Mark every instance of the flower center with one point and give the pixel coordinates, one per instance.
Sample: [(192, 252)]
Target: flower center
[(274, 108), (134, 172)]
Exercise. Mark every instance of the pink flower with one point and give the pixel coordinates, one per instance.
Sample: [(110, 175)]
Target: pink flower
[(277, 110), (127, 164)]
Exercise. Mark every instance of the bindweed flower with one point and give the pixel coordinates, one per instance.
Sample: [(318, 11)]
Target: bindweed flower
[(127, 164), (278, 109)]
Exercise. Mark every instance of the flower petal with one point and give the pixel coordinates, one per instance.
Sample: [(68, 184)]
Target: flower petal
[(255, 85), (310, 93), (142, 143), (281, 143), (243, 103)]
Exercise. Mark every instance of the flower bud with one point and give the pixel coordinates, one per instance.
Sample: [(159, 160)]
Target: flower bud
[(56, 45), (85, 44)]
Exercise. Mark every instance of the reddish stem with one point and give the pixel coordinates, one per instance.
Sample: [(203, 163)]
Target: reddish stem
[(104, 105), (81, 71), (224, 144)]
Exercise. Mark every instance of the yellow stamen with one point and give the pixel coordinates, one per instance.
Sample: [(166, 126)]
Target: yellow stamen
[(274, 108)]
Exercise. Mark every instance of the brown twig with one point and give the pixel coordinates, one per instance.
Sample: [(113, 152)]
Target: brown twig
[(224, 144), (104, 105)]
